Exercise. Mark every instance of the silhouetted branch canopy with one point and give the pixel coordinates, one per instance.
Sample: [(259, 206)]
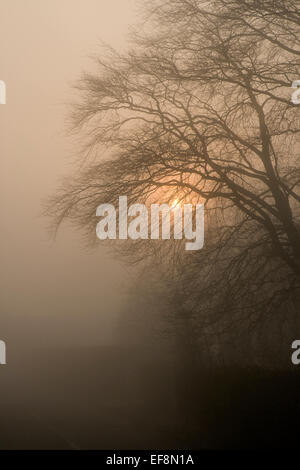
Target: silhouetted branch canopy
[(200, 109)]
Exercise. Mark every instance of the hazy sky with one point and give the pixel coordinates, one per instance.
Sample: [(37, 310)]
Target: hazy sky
[(50, 292)]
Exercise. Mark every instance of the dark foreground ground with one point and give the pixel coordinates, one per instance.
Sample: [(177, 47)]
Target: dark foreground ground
[(110, 398)]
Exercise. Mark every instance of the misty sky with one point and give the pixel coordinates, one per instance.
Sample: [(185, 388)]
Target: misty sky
[(47, 288)]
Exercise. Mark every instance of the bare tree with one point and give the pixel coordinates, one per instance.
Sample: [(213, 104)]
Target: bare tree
[(200, 110)]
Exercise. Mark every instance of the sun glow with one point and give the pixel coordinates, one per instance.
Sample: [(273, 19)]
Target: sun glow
[(175, 203)]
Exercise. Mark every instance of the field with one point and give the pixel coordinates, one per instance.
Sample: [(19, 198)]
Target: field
[(113, 398)]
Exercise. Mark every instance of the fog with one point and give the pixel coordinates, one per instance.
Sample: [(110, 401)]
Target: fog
[(51, 292), (99, 354)]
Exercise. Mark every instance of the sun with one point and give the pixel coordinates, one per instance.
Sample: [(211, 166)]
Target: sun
[(174, 203)]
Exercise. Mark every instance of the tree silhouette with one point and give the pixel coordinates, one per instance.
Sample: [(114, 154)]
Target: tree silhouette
[(200, 110)]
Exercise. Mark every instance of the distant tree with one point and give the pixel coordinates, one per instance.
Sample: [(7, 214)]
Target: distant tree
[(200, 110)]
